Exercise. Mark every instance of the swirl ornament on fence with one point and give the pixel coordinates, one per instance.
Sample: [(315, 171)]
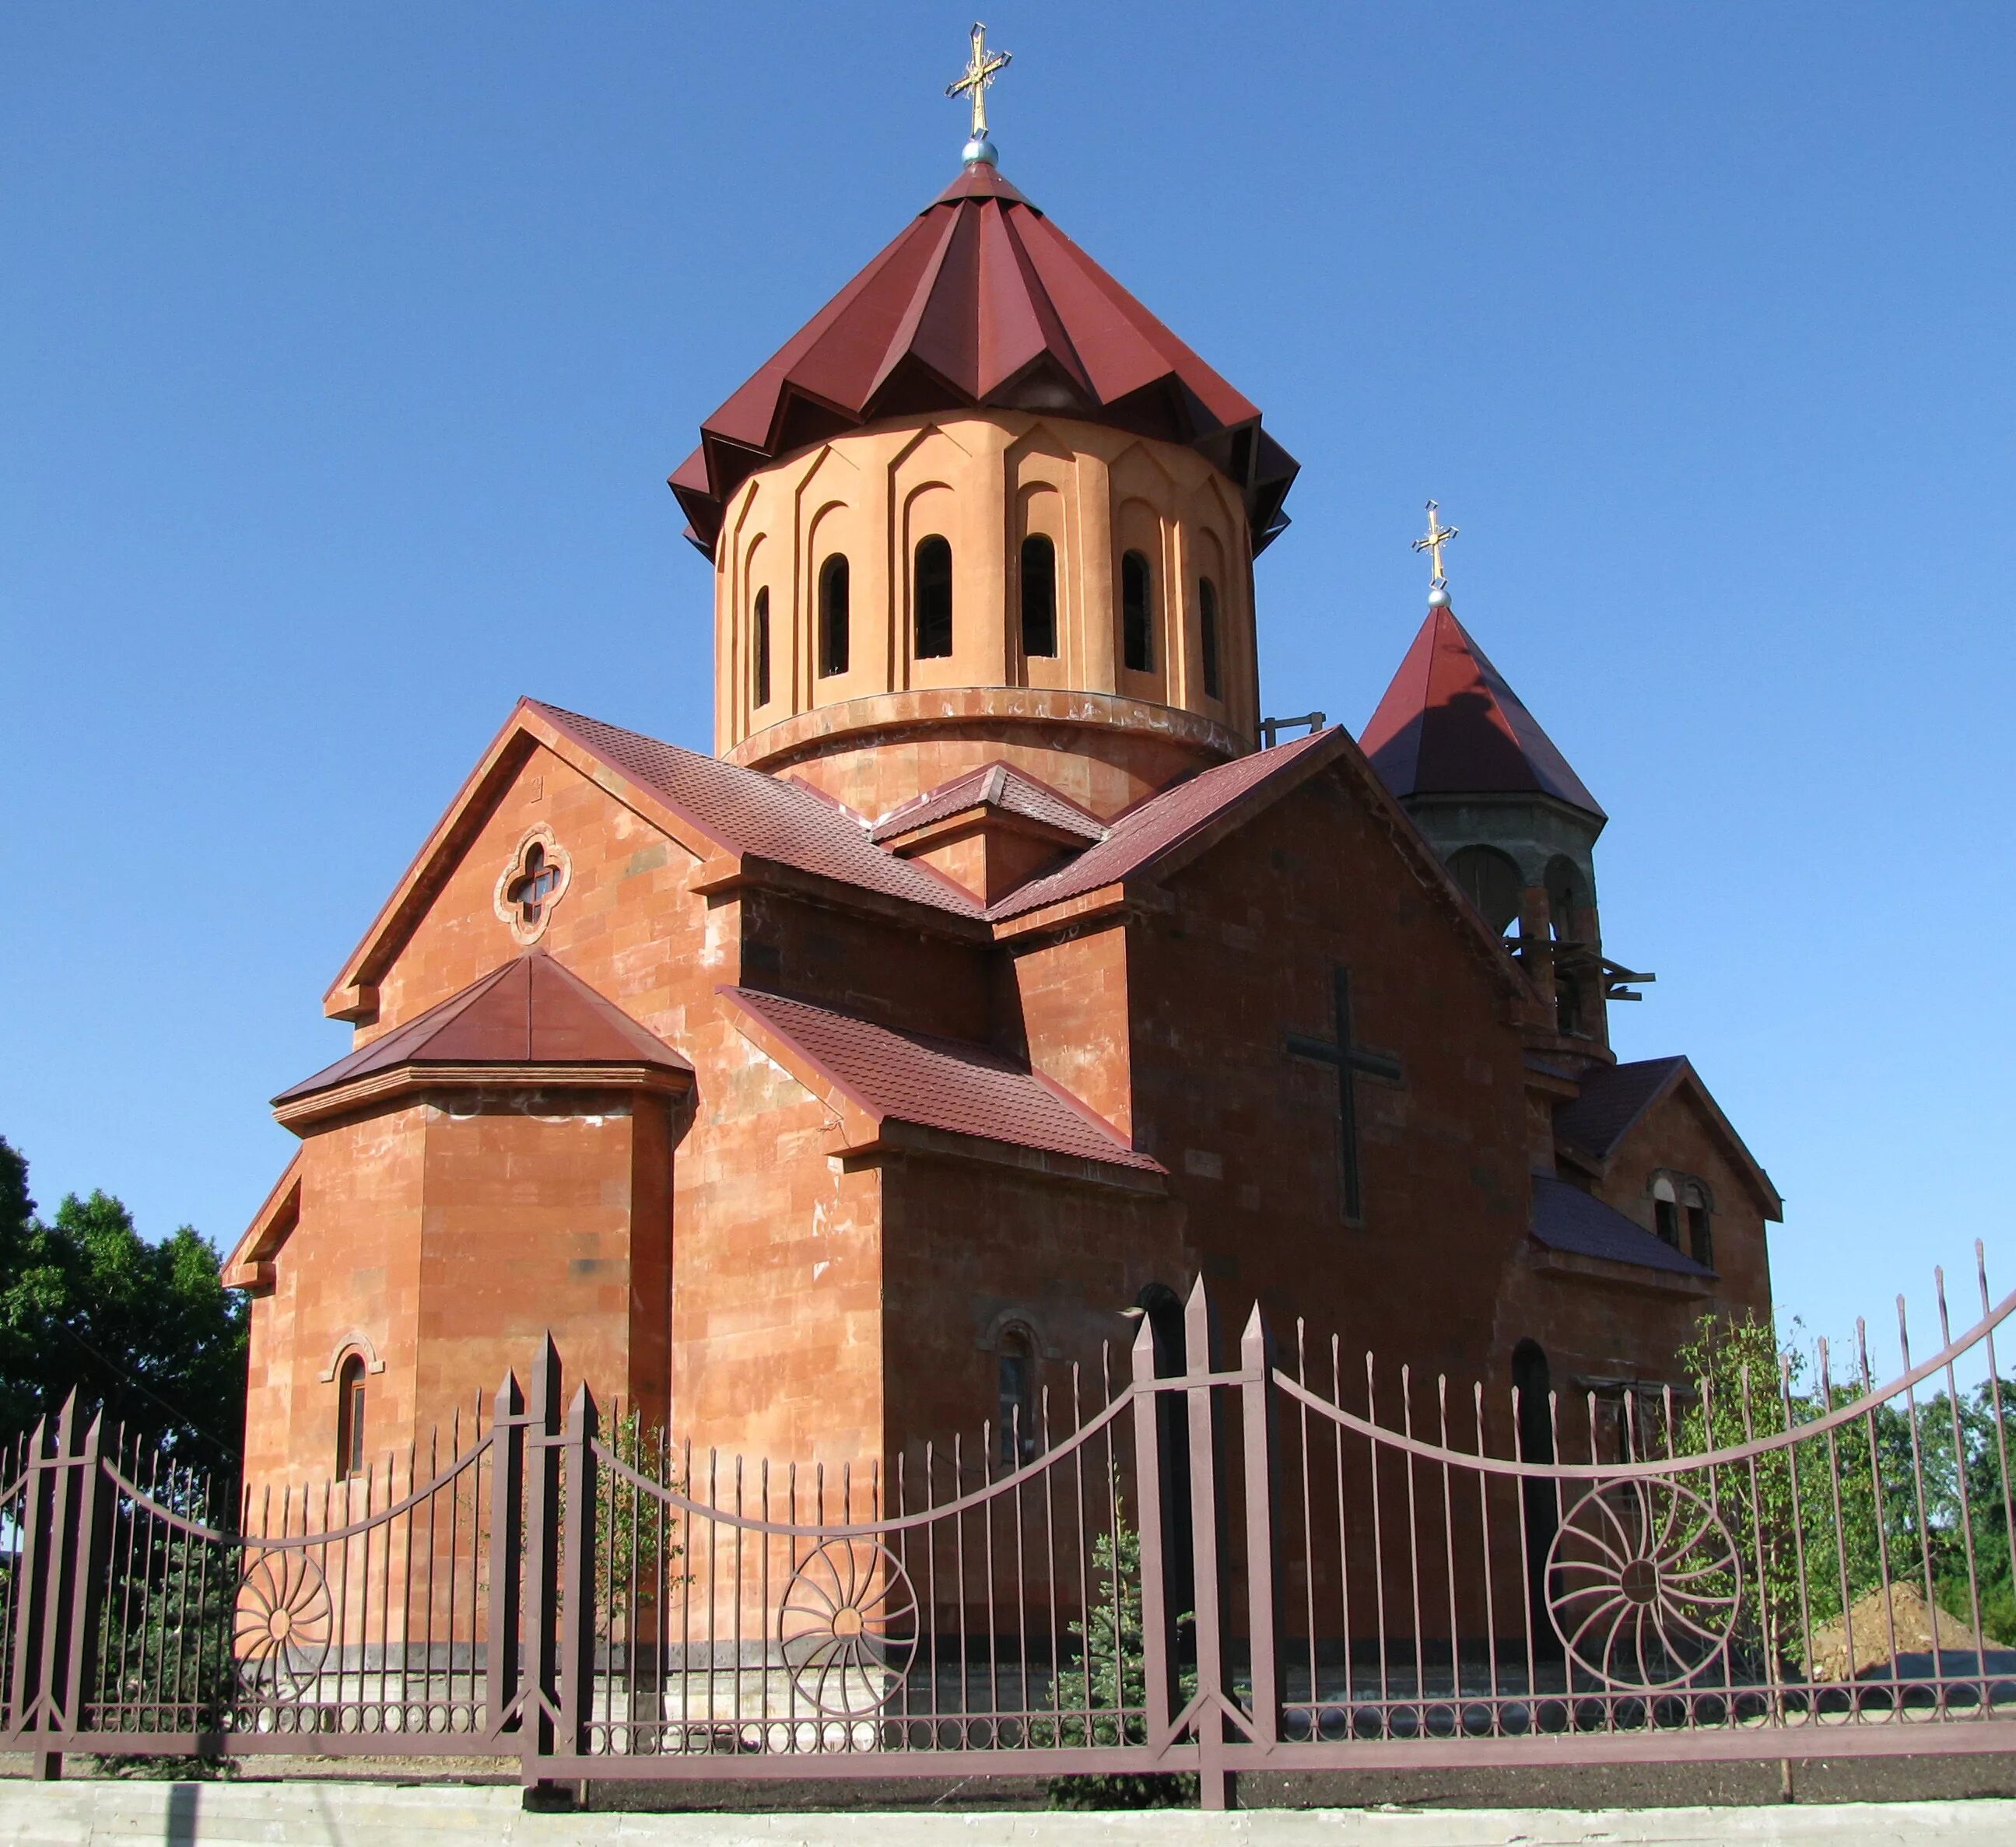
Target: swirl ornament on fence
[(281, 1625), (848, 1627), (1644, 1584)]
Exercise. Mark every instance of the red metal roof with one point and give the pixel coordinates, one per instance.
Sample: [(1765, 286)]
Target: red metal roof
[(1162, 824), (766, 817), (993, 785), (1450, 726), (530, 1011), (982, 301), (947, 1083)]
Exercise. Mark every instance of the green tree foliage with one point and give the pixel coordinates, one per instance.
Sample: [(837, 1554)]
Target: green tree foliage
[(1818, 1523), (148, 1331)]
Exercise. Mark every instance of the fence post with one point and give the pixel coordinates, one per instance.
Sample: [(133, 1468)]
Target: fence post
[(1208, 1701), (84, 1555), (542, 1543), (1256, 1395), (31, 1573), (507, 1534), (1156, 1618), (577, 1601)]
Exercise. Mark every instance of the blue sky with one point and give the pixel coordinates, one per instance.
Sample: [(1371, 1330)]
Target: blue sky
[(343, 351)]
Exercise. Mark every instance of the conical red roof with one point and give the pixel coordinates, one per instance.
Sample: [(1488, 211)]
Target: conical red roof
[(1450, 726), (982, 301)]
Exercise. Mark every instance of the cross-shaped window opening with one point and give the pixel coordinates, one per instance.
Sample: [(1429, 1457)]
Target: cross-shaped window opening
[(1350, 1061), (535, 885)]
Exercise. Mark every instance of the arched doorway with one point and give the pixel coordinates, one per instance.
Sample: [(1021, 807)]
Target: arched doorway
[(1163, 1309), (1540, 1499)]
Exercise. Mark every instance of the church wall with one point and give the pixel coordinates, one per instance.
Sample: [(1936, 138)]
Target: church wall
[(535, 1221), (1617, 1324), (1675, 1137), (777, 1268), (973, 1250), (1251, 1135), (624, 924), (348, 1278), (904, 977), (1068, 1003)]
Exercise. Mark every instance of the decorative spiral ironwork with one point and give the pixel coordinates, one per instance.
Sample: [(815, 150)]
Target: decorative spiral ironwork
[(281, 1624), (848, 1627), (1644, 1584)]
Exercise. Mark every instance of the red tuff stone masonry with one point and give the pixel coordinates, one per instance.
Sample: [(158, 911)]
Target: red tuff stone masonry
[(987, 984)]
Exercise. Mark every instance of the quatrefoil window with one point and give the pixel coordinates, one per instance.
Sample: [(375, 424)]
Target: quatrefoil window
[(534, 881)]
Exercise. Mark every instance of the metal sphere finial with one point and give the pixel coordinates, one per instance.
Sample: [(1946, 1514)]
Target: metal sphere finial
[(981, 151), (1438, 597)]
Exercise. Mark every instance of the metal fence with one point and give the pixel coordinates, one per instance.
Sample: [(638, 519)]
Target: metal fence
[(1278, 1559)]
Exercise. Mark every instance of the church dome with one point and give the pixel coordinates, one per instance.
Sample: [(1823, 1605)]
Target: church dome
[(982, 303)]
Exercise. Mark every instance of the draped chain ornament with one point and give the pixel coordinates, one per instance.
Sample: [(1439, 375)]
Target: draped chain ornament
[(281, 1626), (1644, 1584), (848, 1627)]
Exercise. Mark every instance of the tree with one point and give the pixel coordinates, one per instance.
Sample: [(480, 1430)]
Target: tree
[(149, 1332)]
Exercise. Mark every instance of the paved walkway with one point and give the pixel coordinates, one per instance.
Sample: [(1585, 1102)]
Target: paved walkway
[(102, 1812)]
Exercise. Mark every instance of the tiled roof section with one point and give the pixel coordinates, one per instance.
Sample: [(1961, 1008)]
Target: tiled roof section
[(982, 301), (940, 1083), (1450, 726), (1613, 1098), (994, 785), (1567, 1218), (1159, 825), (530, 1011), (766, 817)]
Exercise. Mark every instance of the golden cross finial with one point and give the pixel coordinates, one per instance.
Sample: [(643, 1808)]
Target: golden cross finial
[(1438, 536), (981, 69)]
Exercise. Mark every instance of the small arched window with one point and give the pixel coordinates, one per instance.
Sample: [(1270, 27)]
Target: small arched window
[(932, 597), (1137, 613), (350, 1418), (832, 615), (1701, 1224), (1016, 1403), (1039, 596), (759, 648), (1208, 635), (1666, 1211)]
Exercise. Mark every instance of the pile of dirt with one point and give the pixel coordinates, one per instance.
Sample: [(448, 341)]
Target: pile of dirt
[(1903, 1614)]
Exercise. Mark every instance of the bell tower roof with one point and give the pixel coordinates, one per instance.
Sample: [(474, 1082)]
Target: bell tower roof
[(1449, 725), (981, 302)]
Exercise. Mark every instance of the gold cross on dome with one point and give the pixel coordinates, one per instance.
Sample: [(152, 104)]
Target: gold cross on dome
[(1438, 536), (981, 69)]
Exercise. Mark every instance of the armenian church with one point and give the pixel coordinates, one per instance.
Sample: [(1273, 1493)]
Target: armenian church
[(1002, 971)]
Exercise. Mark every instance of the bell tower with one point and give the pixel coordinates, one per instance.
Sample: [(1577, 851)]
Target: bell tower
[(1512, 821), (985, 508)]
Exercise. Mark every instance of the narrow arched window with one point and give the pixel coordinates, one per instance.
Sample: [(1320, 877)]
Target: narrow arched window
[(759, 648), (350, 1418), (832, 615), (1666, 1212), (1015, 1401), (1039, 596), (1136, 613), (1207, 634), (1701, 1226), (931, 592)]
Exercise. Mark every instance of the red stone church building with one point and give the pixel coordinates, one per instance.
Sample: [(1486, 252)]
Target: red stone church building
[(843, 1088)]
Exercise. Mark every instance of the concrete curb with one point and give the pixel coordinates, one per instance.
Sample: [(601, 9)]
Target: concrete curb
[(115, 1813)]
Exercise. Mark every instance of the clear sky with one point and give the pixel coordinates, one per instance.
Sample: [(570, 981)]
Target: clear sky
[(343, 351)]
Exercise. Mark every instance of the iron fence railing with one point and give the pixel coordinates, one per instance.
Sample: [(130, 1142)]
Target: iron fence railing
[(1282, 1558)]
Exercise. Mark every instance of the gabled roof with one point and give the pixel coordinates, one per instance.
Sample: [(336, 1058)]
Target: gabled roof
[(1166, 823), (877, 1076), (1449, 725), (531, 1012), (1616, 1099), (982, 301), (1567, 1218), (999, 786)]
